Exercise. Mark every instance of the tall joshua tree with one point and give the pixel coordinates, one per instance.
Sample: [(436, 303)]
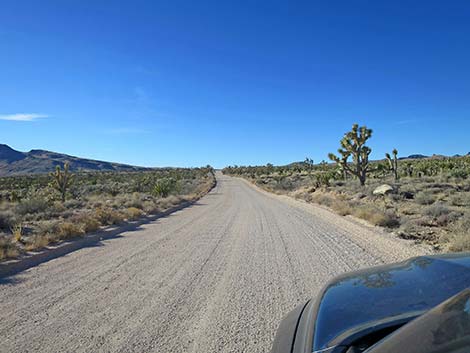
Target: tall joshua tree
[(393, 162), (62, 180), (353, 145)]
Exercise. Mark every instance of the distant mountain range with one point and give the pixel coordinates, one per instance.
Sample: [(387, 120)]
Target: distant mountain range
[(411, 156), (14, 162)]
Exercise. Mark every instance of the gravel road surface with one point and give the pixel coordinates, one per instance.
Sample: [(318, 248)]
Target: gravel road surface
[(217, 276)]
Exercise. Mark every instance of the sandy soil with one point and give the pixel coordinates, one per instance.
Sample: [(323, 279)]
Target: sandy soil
[(215, 277)]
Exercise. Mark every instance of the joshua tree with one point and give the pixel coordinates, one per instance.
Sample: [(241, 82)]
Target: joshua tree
[(309, 163), (62, 180), (353, 144), (393, 162)]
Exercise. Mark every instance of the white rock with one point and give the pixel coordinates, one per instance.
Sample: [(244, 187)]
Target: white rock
[(383, 190)]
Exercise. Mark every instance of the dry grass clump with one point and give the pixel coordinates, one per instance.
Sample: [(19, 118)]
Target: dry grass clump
[(7, 248), (169, 201), (108, 216), (87, 221), (343, 208), (459, 238), (66, 230), (323, 199), (133, 213), (36, 242), (460, 242), (376, 216)]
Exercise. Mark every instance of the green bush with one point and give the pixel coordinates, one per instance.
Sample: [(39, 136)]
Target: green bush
[(32, 206), (164, 187), (437, 210), (424, 198)]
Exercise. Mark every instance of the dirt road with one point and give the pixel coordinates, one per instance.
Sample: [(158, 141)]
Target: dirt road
[(215, 277)]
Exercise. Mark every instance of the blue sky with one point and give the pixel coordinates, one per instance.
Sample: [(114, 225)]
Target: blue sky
[(189, 83)]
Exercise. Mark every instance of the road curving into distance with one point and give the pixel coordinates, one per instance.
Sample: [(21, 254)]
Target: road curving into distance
[(217, 276)]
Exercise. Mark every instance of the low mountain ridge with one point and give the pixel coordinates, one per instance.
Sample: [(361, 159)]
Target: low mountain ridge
[(13, 162)]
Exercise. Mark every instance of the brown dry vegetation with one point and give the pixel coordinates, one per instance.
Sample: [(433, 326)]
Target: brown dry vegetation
[(429, 203), (33, 216)]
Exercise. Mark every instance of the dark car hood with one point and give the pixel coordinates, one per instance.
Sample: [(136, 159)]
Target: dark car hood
[(386, 293)]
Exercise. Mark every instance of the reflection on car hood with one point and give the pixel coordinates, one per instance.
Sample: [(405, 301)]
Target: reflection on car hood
[(375, 294)]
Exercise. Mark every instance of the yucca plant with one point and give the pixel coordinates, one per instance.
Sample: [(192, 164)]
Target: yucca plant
[(61, 180), (164, 187)]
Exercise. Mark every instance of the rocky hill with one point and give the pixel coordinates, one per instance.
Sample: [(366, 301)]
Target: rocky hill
[(14, 162)]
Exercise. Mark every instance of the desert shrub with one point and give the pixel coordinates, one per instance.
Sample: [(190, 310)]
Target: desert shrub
[(73, 203), (424, 198), (59, 207), (44, 228), (424, 221), (447, 218), (87, 222), (322, 179), (323, 199), (303, 194), (459, 174), (460, 242), (459, 237), (31, 206), (151, 207), (169, 201), (7, 220), (342, 207), (90, 224), (460, 199), (133, 213), (409, 229), (7, 248), (108, 216), (436, 210), (36, 242), (376, 216), (67, 230), (136, 200)]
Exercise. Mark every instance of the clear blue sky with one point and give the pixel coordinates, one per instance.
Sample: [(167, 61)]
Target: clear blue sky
[(188, 83)]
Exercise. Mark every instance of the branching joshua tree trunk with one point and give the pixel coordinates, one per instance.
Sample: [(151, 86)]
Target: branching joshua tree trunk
[(393, 162), (353, 145), (62, 180)]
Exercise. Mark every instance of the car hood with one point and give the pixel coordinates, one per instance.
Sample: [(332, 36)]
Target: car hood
[(387, 294)]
